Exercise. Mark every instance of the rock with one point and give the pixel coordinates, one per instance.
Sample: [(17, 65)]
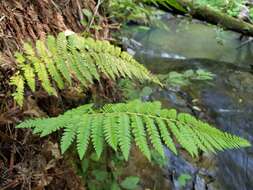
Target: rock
[(211, 186), (199, 183)]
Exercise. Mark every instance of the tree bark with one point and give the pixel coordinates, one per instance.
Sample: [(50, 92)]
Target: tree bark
[(21, 20)]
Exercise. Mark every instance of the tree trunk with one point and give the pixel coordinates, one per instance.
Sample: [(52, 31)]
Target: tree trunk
[(25, 19), (216, 17)]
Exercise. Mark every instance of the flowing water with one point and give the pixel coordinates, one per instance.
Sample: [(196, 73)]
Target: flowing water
[(227, 102)]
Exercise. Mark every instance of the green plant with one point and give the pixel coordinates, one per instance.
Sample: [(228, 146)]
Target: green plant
[(133, 91), (251, 13), (134, 10), (90, 21), (183, 179), (186, 77), (231, 7), (130, 182), (106, 173), (58, 62), (128, 10), (118, 124)]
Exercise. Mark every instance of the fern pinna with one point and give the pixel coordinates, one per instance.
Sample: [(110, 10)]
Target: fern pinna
[(143, 122), (57, 62)]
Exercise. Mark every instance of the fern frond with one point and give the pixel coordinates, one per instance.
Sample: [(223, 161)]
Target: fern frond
[(154, 135), (57, 48), (47, 57), (39, 67), (67, 138), (18, 82), (124, 135), (165, 135), (97, 136), (83, 135), (140, 135), (110, 131), (78, 59), (147, 123), (29, 75), (47, 126)]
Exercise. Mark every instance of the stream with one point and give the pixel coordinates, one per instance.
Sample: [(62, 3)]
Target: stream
[(226, 102)]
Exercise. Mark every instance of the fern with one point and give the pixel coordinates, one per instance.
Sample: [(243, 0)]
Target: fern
[(18, 81), (133, 10), (146, 123), (59, 61), (187, 77)]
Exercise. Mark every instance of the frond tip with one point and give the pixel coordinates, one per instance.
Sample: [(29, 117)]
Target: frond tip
[(59, 61), (145, 122)]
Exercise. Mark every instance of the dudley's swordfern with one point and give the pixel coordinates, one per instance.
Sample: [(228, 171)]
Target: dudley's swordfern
[(57, 62), (145, 123)]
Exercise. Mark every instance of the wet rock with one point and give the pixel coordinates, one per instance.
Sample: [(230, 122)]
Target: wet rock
[(242, 81), (211, 186), (199, 183)]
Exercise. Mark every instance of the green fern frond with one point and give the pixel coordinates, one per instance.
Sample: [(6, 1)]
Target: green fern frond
[(140, 135), (59, 51), (47, 57), (29, 75), (154, 135), (18, 95), (39, 67), (165, 135), (63, 60), (97, 134), (110, 131), (144, 122), (124, 135), (83, 135), (68, 137)]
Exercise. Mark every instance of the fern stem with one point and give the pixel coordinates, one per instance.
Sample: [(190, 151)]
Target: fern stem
[(142, 115)]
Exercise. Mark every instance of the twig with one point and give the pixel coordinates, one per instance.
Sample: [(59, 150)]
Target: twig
[(7, 138), (2, 17), (12, 184), (79, 10), (95, 13), (13, 153), (55, 5)]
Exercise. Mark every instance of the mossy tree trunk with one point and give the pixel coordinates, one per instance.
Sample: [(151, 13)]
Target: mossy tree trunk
[(216, 17)]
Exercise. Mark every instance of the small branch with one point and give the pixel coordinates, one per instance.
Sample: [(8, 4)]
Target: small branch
[(79, 10), (55, 5), (2, 17), (94, 15)]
